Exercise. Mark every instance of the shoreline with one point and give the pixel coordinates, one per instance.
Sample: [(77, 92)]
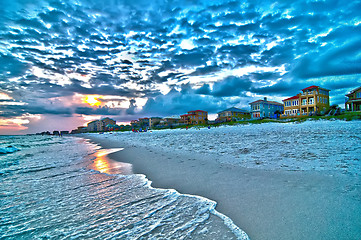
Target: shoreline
[(266, 204)]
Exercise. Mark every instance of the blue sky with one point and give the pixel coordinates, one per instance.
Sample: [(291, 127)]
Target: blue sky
[(159, 58)]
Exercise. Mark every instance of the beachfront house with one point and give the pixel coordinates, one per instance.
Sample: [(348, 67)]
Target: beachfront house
[(99, 125), (311, 100), (291, 106), (353, 102), (143, 123), (153, 121), (233, 114), (92, 126), (265, 109), (170, 121), (134, 123), (112, 127), (80, 129), (195, 117)]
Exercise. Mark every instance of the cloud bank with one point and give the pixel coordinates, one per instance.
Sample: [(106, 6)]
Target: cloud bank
[(167, 57)]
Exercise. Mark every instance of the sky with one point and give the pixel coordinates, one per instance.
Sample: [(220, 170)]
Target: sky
[(64, 63)]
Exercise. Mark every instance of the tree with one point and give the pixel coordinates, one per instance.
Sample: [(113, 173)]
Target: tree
[(278, 112)]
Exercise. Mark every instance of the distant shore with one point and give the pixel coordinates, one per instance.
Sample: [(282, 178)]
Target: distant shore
[(347, 116), (265, 204)]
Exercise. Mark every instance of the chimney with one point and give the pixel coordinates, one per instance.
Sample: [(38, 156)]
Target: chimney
[(265, 99)]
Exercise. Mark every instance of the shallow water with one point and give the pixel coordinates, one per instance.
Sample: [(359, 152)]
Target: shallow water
[(59, 188)]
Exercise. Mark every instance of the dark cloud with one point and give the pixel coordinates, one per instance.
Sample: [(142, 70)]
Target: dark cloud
[(231, 86), (205, 89), (206, 70), (173, 103), (238, 50), (342, 60), (132, 107), (11, 67), (98, 111), (10, 111), (190, 58), (281, 88)]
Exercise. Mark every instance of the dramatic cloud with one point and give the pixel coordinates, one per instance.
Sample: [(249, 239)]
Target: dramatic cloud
[(168, 57)]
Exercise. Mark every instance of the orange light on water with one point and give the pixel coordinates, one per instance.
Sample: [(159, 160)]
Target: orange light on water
[(101, 163), (105, 165)]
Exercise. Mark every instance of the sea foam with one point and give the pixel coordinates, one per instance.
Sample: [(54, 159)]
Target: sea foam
[(49, 190)]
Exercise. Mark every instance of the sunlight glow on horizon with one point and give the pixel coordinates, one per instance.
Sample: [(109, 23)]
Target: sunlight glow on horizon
[(92, 100)]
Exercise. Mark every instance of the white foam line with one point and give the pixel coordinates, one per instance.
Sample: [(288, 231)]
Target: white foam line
[(239, 233)]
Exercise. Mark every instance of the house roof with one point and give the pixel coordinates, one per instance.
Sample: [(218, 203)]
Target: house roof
[(95, 121), (270, 102), (256, 101), (172, 117), (294, 97), (310, 87), (313, 87), (353, 91), (197, 111), (234, 109)]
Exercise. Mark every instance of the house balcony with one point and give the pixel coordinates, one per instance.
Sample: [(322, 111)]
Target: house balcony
[(308, 93)]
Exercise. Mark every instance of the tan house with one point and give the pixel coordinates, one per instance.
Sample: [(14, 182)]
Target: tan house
[(313, 99), (232, 114), (92, 126), (291, 106), (99, 125), (171, 121), (134, 123), (195, 117), (154, 121), (353, 102), (143, 122)]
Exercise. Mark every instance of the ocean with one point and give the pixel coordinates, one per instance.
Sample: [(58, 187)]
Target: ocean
[(66, 188)]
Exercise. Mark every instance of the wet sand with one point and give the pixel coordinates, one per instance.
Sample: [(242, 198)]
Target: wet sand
[(265, 204)]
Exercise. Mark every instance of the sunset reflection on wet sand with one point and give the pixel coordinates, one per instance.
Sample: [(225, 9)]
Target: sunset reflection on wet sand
[(104, 164)]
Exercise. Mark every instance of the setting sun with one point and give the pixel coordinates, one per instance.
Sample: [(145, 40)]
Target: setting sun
[(92, 100)]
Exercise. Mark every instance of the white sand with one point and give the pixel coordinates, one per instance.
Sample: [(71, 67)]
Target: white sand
[(266, 204)]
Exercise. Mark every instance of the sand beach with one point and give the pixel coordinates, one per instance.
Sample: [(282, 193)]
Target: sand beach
[(289, 202)]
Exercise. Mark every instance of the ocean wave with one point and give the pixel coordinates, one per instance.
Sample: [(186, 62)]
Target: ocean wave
[(51, 195), (9, 149)]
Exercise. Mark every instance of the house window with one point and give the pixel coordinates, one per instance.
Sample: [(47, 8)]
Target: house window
[(358, 95)]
